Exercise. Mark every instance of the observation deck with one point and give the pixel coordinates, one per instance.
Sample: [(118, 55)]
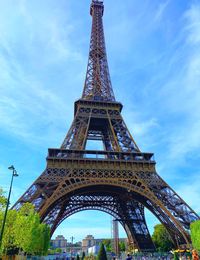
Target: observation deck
[(64, 154)]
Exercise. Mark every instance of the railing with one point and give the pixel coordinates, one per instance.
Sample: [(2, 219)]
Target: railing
[(100, 155)]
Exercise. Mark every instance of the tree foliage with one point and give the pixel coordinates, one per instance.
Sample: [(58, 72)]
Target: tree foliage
[(24, 231), (195, 234), (58, 250), (122, 246), (102, 253), (107, 243), (3, 200), (8, 242), (53, 251), (162, 239), (176, 256), (109, 248)]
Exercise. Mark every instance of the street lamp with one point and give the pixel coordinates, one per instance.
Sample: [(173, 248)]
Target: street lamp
[(14, 174)]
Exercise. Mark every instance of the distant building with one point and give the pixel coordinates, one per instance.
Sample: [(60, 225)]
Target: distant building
[(91, 245), (59, 242), (89, 241)]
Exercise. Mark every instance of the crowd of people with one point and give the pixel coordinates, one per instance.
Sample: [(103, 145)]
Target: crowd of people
[(192, 256)]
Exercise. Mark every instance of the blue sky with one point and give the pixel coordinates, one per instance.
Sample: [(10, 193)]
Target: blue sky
[(154, 58)]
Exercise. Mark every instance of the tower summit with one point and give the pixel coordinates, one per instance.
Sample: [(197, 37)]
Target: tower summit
[(120, 180), (97, 83), (98, 92)]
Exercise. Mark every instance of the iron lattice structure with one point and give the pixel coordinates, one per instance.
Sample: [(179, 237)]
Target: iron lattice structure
[(120, 180)]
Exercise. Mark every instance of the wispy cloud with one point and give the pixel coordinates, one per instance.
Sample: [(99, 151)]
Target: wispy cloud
[(187, 133), (193, 24), (161, 9), (27, 106), (189, 191), (24, 101)]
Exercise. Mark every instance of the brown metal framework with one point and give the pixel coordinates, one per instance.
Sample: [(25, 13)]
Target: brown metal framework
[(120, 180)]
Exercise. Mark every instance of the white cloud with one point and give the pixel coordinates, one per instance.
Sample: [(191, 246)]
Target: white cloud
[(185, 141), (161, 9), (193, 26), (189, 191), (187, 137), (175, 105), (24, 102), (28, 104), (142, 128)]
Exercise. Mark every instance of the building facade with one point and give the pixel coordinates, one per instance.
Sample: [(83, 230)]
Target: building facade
[(59, 242), (90, 244)]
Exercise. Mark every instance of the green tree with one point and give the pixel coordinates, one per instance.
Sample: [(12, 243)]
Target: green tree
[(58, 250), (102, 253), (42, 245), (176, 256), (195, 234), (122, 246), (162, 239), (35, 238), (24, 231), (3, 200), (108, 245), (8, 245)]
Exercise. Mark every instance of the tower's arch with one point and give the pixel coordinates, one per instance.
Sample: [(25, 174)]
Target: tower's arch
[(111, 202), (126, 202)]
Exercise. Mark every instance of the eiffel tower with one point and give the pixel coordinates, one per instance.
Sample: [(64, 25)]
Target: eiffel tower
[(120, 179)]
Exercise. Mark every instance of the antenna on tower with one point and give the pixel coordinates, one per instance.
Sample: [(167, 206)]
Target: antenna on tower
[(97, 1)]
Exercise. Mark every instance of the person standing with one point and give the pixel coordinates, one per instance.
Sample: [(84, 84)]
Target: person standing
[(195, 255), (129, 257)]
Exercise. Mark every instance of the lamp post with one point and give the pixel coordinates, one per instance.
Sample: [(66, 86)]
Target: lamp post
[(14, 174)]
